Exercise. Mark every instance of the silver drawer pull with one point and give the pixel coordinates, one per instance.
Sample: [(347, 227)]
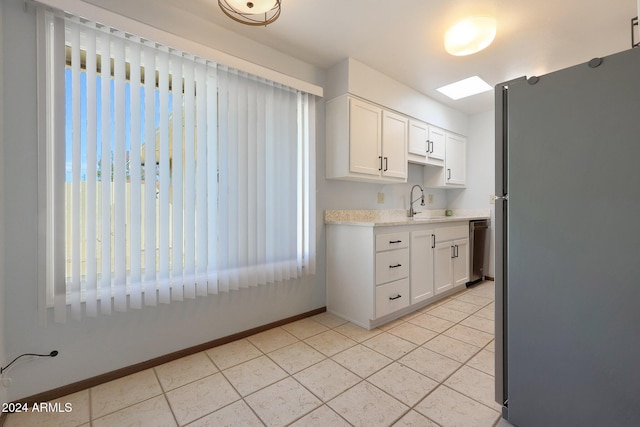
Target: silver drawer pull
[(395, 266), (396, 297)]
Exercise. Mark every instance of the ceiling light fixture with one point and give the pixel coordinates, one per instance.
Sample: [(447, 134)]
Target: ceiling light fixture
[(255, 13), (463, 88), (470, 35)]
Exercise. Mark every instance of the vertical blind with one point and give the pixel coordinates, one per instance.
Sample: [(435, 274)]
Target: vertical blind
[(182, 177)]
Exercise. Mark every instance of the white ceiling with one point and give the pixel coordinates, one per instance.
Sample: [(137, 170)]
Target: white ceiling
[(404, 38)]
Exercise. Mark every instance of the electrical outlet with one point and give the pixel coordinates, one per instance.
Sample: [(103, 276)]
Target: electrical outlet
[(380, 198), (6, 382), (492, 199), (430, 199)]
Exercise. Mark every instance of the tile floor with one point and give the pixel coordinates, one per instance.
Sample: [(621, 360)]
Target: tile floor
[(433, 367)]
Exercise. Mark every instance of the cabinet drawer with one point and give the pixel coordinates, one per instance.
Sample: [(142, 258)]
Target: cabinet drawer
[(392, 297), (452, 233), (392, 265), (385, 242)]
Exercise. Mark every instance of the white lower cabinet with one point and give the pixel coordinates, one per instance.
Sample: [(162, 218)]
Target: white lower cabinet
[(451, 258), (422, 245), (392, 297), (461, 262), (376, 274), (443, 267)]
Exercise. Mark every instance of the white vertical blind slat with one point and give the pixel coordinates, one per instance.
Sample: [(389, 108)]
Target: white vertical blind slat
[(252, 182), (105, 174), (212, 181), (75, 174), (201, 181), (223, 183), (310, 170), (261, 189), (150, 275), (302, 182), (177, 192), (91, 307), (232, 197), (119, 175), (135, 166), (271, 224), (242, 194), (56, 149), (164, 293), (189, 179)]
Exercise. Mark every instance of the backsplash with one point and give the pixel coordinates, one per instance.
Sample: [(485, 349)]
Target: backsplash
[(388, 215)]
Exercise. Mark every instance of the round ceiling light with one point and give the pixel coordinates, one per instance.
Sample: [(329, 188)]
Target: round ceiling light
[(470, 35), (255, 12)]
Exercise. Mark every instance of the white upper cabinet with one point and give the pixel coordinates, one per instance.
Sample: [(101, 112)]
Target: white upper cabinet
[(456, 159), (436, 145), (369, 116), (394, 145), (365, 142), (426, 144), (453, 174), (365, 137), (418, 141)]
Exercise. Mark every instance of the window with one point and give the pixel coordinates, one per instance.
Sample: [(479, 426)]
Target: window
[(169, 176)]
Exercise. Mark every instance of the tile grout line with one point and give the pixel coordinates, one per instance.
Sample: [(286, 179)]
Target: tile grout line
[(166, 398)]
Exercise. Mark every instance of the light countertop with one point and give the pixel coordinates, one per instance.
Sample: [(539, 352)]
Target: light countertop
[(391, 217)]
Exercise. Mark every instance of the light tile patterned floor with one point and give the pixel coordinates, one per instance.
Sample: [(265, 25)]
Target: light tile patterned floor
[(430, 368)]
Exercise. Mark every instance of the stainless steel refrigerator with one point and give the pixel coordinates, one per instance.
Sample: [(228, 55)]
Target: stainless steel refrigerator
[(568, 245)]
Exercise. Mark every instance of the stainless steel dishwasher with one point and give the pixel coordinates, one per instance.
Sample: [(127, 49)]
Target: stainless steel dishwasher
[(479, 250)]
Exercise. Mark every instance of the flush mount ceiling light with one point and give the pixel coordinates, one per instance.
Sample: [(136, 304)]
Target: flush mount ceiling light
[(463, 88), (256, 12), (470, 35)]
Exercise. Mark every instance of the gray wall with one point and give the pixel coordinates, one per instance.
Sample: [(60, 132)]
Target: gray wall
[(3, 355), (480, 172), (95, 346)]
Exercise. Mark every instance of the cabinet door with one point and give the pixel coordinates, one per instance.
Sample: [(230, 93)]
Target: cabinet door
[(365, 138), (421, 265), (442, 267), (461, 262), (455, 163), (418, 138), (394, 145), (437, 143)]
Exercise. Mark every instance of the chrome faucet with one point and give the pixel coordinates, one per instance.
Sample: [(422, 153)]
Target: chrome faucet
[(411, 213)]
